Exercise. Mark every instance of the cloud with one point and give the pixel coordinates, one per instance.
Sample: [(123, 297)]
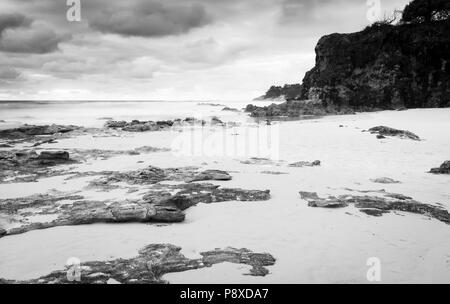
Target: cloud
[(13, 21), (9, 74), (20, 34), (151, 19)]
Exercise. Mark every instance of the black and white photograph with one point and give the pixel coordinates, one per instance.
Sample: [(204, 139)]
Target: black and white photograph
[(224, 142)]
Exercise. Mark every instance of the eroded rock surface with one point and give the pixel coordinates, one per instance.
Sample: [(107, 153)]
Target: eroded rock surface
[(377, 206), (385, 180), (152, 263), (443, 169), (383, 131), (32, 130), (160, 204), (302, 164)]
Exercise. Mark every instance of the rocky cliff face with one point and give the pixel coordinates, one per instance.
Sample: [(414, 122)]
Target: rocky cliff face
[(382, 67)]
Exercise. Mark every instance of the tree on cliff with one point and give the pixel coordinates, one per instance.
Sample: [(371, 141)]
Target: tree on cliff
[(426, 11)]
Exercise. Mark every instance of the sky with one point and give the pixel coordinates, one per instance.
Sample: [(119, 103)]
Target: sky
[(167, 49)]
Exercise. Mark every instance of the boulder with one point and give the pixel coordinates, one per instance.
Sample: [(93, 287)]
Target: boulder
[(383, 131), (377, 205), (305, 164), (385, 180), (443, 169)]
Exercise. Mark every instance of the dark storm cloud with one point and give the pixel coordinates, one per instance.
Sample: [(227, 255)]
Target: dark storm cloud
[(12, 21), (20, 34), (151, 19)]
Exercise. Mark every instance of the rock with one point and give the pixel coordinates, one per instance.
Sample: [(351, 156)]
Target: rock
[(208, 193), (305, 164), (443, 169), (386, 131), (381, 136), (293, 108), (215, 121), (373, 212), (58, 155), (2, 232), (314, 201), (212, 175), (158, 205), (153, 175), (115, 124), (230, 109), (31, 130), (378, 68), (5, 146), (273, 173), (385, 180), (152, 263), (377, 206)]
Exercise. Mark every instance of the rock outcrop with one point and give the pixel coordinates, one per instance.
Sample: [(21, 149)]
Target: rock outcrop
[(443, 169), (376, 205), (382, 67), (160, 204), (31, 130), (302, 164), (383, 131), (152, 263)]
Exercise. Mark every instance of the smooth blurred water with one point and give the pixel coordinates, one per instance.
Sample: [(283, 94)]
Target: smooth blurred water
[(94, 113)]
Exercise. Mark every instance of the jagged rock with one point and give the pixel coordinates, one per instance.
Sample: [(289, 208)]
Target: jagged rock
[(384, 180), (26, 161), (57, 155), (153, 126), (398, 196), (31, 130), (295, 108), (208, 193), (153, 175), (386, 131), (212, 175), (115, 124), (2, 232), (215, 121), (152, 263), (159, 205), (314, 201), (375, 205), (373, 212), (230, 109), (305, 164), (443, 169)]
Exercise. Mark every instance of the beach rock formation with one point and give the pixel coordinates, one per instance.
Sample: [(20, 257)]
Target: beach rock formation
[(32, 130), (443, 169), (160, 204), (384, 180), (376, 205), (305, 164), (152, 263), (384, 131)]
